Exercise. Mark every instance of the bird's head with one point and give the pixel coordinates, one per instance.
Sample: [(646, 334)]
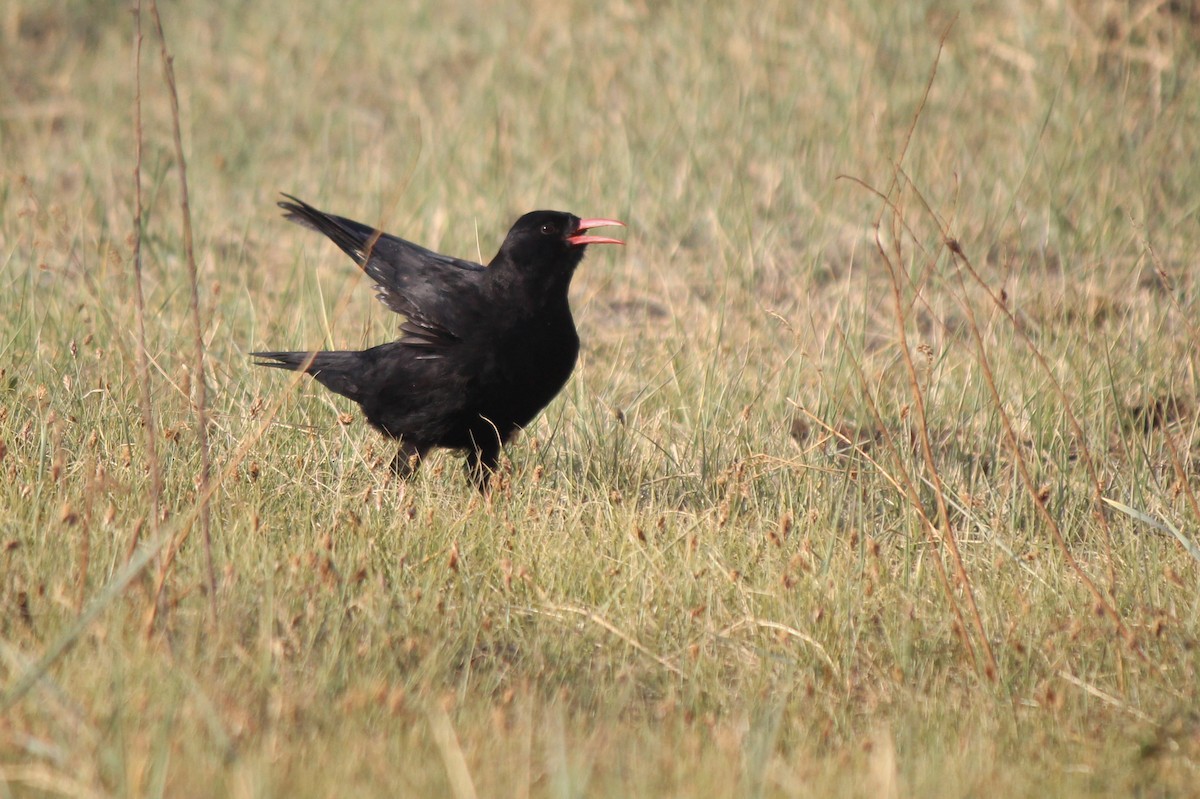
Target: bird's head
[(552, 240)]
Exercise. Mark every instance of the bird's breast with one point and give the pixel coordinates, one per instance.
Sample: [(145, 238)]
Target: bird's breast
[(526, 367)]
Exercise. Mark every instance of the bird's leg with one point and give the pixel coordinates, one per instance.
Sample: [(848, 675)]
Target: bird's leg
[(481, 465), (408, 460)]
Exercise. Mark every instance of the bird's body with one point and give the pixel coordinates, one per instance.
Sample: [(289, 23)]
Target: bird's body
[(483, 349)]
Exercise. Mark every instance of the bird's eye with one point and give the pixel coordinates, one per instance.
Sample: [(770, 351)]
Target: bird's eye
[(547, 229)]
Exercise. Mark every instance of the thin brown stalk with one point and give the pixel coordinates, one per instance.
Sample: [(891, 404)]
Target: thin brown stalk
[(1160, 270), (898, 166), (1085, 452), (201, 383), (1164, 279), (143, 357), (911, 491), (947, 530), (859, 450), (85, 556), (596, 618), (1181, 476), (948, 538), (1010, 436), (961, 258)]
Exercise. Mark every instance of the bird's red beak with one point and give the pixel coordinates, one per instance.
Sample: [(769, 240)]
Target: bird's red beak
[(577, 238)]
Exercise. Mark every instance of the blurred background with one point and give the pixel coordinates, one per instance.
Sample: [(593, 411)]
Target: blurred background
[(706, 573)]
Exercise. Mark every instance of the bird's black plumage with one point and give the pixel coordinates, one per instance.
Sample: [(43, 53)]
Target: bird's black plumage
[(482, 350)]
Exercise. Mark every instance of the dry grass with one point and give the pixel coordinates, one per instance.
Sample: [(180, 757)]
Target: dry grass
[(864, 316)]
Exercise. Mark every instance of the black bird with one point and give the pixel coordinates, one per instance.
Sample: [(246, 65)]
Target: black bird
[(483, 348)]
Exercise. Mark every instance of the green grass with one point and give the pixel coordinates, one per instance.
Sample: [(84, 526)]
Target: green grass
[(708, 570)]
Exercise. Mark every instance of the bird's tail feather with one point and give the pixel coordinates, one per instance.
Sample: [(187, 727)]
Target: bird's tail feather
[(340, 372), (355, 238)]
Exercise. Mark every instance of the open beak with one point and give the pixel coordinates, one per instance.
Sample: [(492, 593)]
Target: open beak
[(577, 238)]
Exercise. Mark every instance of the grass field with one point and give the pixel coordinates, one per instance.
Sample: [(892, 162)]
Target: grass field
[(822, 510)]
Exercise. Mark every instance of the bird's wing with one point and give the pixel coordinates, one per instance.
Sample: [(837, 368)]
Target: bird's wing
[(425, 287)]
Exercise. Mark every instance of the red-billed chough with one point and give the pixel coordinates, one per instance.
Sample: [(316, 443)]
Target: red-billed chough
[(483, 348)]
